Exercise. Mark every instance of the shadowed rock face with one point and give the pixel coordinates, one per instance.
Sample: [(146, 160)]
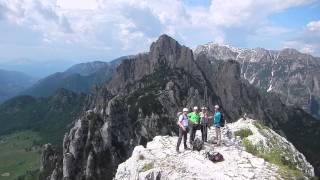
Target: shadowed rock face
[(293, 75), (142, 100), (50, 163)]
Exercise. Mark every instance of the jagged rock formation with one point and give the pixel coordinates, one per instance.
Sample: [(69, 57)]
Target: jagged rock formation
[(293, 75), (141, 101), (50, 163), (159, 159)]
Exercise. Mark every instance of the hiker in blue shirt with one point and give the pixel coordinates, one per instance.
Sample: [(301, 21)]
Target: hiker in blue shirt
[(217, 123)]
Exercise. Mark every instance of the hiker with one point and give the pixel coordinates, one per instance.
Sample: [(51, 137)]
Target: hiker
[(204, 123), (183, 129), (217, 123), (194, 119)]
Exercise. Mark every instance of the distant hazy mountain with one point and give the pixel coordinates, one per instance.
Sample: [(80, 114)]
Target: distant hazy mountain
[(78, 78), (293, 75), (12, 83), (48, 116), (86, 69)]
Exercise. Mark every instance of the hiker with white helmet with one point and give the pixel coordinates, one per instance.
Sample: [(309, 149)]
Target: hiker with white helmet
[(204, 123), (183, 129), (194, 119)]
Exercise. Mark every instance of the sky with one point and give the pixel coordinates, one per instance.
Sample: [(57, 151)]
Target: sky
[(44, 36)]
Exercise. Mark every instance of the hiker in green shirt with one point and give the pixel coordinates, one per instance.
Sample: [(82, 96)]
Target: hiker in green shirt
[(194, 119)]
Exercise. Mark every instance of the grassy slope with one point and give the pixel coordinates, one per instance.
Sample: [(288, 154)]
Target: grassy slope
[(287, 169), (18, 154)]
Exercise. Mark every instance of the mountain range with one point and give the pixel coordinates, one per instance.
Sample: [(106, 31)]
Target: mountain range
[(13, 83), (78, 78), (141, 101), (293, 75), (52, 103)]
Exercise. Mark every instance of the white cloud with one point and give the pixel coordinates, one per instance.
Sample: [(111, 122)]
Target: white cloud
[(248, 12), (314, 26), (77, 4), (309, 49), (130, 25), (308, 41), (38, 15), (301, 46)]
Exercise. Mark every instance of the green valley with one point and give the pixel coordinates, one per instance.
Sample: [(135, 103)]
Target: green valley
[(49, 117), (19, 154)]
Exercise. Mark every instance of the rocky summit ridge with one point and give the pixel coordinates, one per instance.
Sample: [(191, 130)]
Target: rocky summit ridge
[(159, 160)]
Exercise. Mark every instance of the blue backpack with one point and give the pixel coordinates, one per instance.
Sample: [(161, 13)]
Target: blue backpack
[(222, 120)]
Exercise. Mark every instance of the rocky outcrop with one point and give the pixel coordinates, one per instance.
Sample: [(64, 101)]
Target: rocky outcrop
[(50, 163), (159, 160), (86, 154), (143, 97), (293, 75), (267, 142)]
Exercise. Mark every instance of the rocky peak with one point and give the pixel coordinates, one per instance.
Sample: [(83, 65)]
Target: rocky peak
[(168, 51), (164, 53)]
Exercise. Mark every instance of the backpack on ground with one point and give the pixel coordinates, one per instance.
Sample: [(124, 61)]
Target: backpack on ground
[(197, 144), (214, 156)]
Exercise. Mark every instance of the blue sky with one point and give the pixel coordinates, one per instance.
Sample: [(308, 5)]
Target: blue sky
[(54, 34)]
